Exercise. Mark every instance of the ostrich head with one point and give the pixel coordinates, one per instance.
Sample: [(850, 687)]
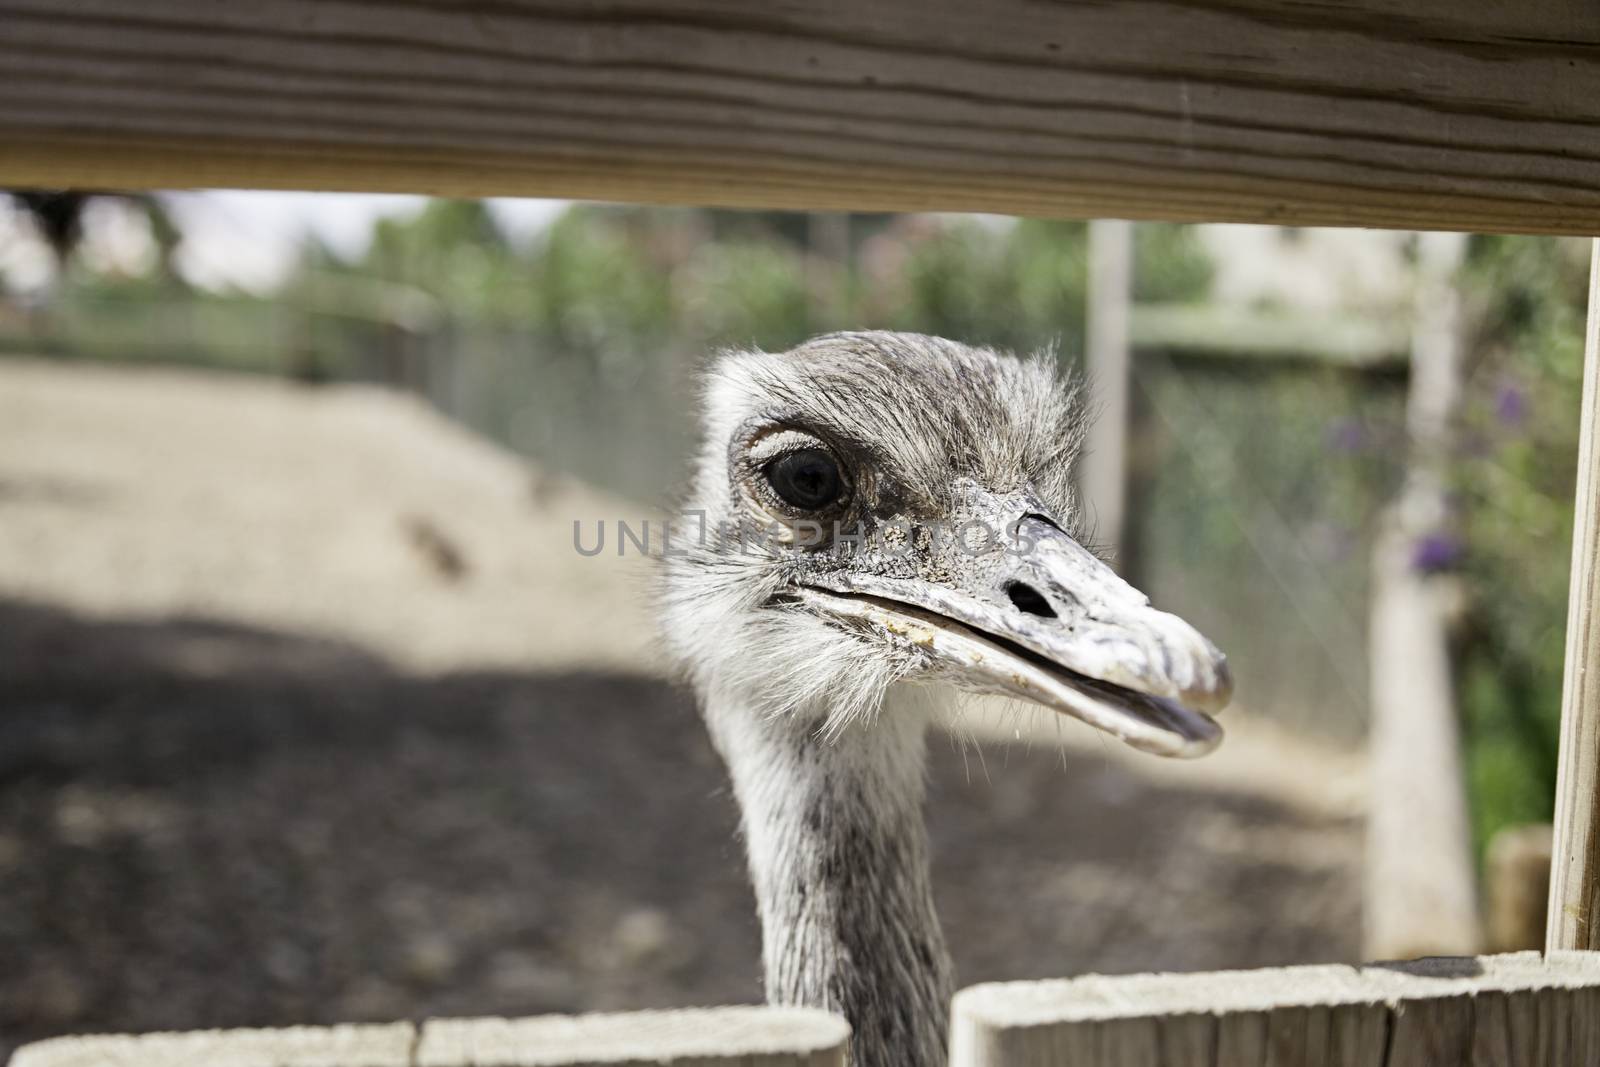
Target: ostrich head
[(877, 517)]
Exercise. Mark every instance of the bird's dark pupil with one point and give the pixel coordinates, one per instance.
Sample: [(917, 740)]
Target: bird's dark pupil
[(805, 479)]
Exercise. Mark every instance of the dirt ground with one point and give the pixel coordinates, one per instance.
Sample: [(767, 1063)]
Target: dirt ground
[(310, 713)]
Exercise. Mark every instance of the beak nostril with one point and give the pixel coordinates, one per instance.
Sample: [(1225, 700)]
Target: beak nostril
[(1029, 599)]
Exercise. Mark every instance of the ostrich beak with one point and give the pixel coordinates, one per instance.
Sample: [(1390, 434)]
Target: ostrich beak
[(1052, 624)]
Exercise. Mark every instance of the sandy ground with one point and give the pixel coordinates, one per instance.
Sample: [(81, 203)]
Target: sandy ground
[(324, 512), (309, 712)]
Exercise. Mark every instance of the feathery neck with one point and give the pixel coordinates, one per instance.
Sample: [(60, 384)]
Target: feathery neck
[(838, 855)]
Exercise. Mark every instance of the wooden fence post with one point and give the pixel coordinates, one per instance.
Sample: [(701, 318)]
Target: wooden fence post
[(1110, 299), (1518, 1010), (1420, 889), (1572, 867)]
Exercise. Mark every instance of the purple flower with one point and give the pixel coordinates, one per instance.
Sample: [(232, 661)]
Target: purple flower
[(1510, 404), (1435, 552)]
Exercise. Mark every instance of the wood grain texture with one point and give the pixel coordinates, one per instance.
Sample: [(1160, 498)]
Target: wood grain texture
[(1517, 1010), (1574, 877), (301, 1046), (701, 1037), (704, 1037), (1425, 114)]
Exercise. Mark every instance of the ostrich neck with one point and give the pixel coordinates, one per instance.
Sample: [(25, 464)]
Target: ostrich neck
[(838, 855)]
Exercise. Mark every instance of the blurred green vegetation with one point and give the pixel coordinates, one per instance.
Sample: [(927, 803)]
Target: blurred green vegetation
[(605, 313), (1514, 484), (607, 278), (1256, 481)]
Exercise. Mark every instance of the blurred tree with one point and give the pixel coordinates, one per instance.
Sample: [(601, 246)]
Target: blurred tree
[(165, 234), (1170, 264), (452, 249), (58, 216), (1019, 286), (748, 293), (596, 281)]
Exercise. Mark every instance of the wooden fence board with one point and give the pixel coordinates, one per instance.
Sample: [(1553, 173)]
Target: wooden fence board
[(1434, 114), (1575, 867), (1492, 1011), (301, 1046), (706, 1037)]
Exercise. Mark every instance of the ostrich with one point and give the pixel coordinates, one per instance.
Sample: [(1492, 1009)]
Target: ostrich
[(876, 519)]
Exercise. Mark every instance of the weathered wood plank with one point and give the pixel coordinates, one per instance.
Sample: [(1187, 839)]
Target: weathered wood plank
[(300, 1046), (1434, 114), (1574, 877), (1518, 1009), (709, 1037), (702, 1037)]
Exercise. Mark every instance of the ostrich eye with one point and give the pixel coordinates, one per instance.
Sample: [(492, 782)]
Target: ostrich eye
[(807, 479)]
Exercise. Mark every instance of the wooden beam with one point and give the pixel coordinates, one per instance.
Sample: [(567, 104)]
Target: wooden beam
[(1574, 877), (1494, 1011), (1432, 115)]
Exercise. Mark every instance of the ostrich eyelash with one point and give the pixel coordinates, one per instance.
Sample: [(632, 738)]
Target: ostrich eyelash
[(767, 447)]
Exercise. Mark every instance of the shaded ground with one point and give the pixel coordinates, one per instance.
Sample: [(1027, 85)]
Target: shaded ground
[(204, 824)]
